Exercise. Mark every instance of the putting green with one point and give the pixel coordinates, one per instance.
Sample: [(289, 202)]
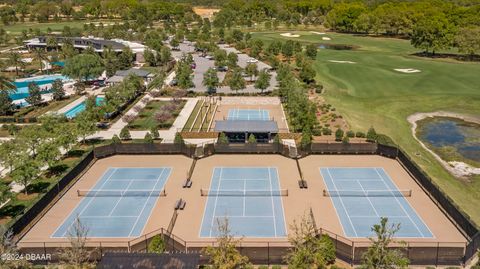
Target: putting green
[(369, 92)]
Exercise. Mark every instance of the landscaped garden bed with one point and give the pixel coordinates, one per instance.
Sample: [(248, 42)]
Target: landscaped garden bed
[(159, 114)]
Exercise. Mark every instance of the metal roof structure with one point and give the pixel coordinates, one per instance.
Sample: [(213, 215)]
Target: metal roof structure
[(247, 126)]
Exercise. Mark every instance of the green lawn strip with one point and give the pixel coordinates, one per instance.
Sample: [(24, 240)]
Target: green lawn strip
[(192, 116), (371, 93), (208, 118), (17, 28), (197, 125), (50, 106), (146, 118)]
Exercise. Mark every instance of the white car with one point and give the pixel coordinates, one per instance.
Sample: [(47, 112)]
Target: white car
[(252, 61)]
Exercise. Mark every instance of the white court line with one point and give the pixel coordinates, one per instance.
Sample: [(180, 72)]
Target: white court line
[(244, 194), (102, 217), (273, 204), (400, 204), (341, 201), (146, 202), (216, 198), (116, 204), (370, 216), (368, 198), (79, 214), (260, 216), (245, 179), (169, 169)]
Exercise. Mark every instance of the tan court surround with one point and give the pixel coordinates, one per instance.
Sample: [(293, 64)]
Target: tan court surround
[(298, 202)]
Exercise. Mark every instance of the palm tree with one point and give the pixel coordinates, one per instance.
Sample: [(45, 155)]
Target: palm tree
[(39, 56), (6, 84), (15, 59)]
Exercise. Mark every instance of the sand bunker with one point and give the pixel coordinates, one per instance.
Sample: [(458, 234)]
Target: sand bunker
[(408, 70), (317, 33), (326, 38), (341, 62), (289, 35)]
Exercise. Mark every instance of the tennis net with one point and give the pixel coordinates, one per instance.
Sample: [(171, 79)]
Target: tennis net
[(208, 192), (367, 193), (121, 193)]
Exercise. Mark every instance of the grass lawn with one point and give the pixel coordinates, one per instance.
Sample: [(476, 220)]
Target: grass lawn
[(192, 116), (50, 106), (370, 93), (17, 28), (146, 119)]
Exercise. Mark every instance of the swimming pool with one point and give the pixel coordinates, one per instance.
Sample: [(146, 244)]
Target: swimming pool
[(72, 112), (22, 85)]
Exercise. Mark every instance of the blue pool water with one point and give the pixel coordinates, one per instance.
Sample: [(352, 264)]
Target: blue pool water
[(22, 86), (72, 112), (462, 136)]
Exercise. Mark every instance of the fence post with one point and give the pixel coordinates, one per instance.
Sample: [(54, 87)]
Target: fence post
[(353, 254), (146, 244), (268, 253), (45, 251)]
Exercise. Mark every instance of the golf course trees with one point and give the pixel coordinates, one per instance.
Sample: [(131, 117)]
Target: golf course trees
[(468, 40), (263, 80), (311, 51), (287, 49), (236, 81), (83, 67), (433, 33), (211, 80)]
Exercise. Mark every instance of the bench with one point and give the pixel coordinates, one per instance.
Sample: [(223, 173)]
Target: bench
[(303, 184), (180, 204), (187, 184)]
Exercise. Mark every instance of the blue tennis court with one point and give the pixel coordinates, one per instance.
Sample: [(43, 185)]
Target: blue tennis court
[(248, 114), (362, 196), (250, 198), (119, 204)]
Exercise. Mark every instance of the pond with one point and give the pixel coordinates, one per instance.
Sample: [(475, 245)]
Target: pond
[(452, 139), (335, 47)]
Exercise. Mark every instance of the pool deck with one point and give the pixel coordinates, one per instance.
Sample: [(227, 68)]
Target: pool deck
[(71, 105)]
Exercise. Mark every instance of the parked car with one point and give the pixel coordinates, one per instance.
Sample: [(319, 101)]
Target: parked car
[(174, 82), (193, 66), (252, 61), (223, 68), (209, 57)]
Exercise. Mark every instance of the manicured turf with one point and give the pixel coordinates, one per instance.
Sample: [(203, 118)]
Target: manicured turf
[(371, 93), (17, 28)]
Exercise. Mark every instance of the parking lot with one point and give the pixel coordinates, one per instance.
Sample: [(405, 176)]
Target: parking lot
[(203, 64)]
